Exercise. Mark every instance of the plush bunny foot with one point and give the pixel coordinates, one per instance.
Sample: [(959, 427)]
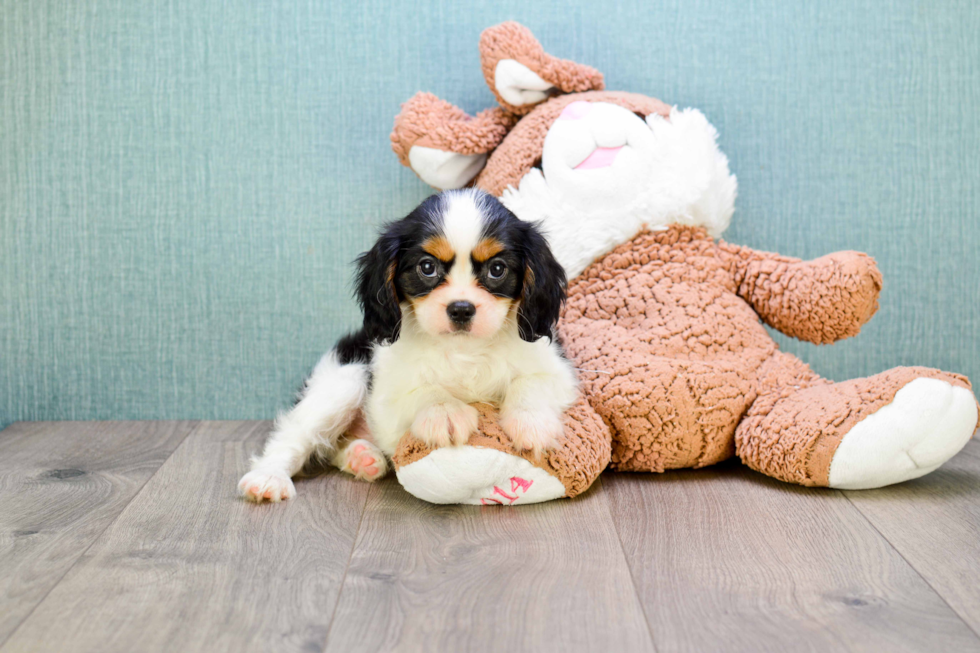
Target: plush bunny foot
[(478, 476), (926, 424), (858, 434), (264, 485), (363, 460), (491, 471)]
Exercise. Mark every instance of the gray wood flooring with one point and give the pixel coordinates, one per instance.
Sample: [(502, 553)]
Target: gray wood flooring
[(128, 536)]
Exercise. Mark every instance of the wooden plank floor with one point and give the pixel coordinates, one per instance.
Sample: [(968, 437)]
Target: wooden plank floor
[(128, 536), (61, 485)]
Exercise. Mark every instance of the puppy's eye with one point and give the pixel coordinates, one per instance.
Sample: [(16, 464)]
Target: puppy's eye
[(427, 268), (497, 270)]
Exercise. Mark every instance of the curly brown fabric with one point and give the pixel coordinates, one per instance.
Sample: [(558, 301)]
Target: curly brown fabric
[(581, 454), (820, 301), (673, 356), (665, 348), (428, 121), (512, 40), (792, 431)]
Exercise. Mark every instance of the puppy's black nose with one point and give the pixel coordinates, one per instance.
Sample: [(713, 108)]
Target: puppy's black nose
[(461, 312)]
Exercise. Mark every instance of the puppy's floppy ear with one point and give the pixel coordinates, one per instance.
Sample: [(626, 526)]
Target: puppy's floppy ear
[(376, 288), (543, 293)]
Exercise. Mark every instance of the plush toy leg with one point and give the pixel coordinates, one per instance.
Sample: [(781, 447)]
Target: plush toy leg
[(671, 414), (478, 476), (487, 471), (859, 434)]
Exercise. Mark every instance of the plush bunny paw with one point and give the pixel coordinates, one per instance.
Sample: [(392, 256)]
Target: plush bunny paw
[(926, 424), (263, 485)]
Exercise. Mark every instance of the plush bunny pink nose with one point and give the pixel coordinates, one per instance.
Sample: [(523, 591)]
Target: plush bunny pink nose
[(576, 110)]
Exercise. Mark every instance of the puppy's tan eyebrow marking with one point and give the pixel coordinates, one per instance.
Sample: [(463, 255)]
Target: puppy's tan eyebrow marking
[(439, 247), (487, 248)]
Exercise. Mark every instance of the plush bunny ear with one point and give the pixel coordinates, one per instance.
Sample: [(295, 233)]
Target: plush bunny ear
[(521, 74), (443, 145)]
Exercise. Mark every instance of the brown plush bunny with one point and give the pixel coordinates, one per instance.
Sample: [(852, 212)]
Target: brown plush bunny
[(665, 323)]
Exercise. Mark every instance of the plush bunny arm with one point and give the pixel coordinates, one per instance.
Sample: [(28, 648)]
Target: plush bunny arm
[(443, 145), (820, 301), (429, 121)]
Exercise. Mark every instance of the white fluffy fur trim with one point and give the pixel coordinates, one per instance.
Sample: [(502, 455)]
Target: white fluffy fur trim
[(679, 176)]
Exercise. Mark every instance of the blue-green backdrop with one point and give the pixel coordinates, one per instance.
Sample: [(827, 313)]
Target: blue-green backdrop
[(183, 183)]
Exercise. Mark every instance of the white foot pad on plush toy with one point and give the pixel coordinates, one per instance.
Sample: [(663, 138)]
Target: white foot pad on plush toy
[(478, 476), (925, 425)]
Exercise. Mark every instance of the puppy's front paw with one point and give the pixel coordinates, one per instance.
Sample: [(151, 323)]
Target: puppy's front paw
[(262, 485), (440, 425), (532, 430), (364, 461)]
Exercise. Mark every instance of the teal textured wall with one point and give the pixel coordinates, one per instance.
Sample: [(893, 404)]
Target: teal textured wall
[(183, 183)]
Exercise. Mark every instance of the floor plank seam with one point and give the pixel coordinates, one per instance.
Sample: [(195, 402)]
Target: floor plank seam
[(191, 428), (622, 550), (350, 558), (909, 563)]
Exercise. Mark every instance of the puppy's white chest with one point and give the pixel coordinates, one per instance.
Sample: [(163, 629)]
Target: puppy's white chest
[(468, 376), (468, 373)]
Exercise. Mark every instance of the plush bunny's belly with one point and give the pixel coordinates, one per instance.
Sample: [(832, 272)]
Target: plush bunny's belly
[(666, 351)]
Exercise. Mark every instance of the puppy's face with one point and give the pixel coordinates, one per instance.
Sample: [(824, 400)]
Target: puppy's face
[(466, 273), (464, 265)]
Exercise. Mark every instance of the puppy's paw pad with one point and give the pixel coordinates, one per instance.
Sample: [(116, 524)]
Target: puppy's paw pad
[(531, 430), (364, 461), (441, 425), (261, 485)]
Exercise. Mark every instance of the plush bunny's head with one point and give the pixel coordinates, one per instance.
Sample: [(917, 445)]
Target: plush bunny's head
[(592, 166)]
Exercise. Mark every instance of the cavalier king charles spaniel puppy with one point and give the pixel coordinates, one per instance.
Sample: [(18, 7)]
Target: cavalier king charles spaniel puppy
[(460, 301)]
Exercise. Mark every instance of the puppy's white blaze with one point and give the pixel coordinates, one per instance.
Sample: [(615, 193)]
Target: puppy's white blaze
[(462, 226)]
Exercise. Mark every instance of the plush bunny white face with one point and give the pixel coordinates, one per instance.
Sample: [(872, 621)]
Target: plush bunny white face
[(611, 163), (606, 173), (595, 152)]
